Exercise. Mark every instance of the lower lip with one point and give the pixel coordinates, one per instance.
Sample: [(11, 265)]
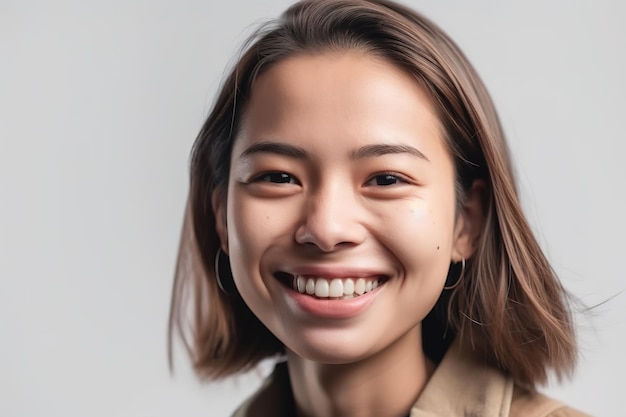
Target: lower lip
[(332, 309)]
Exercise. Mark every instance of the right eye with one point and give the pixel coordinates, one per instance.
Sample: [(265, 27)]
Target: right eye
[(276, 178)]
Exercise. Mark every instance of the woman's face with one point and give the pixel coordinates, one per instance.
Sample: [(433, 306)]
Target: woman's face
[(340, 222)]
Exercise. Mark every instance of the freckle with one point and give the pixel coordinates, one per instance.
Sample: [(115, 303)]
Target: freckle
[(416, 209), (437, 247)]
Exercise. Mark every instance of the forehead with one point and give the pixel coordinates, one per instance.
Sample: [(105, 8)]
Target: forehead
[(338, 97)]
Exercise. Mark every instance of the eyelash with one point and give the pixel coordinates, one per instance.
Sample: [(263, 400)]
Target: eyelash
[(265, 177), (286, 178), (398, 178)]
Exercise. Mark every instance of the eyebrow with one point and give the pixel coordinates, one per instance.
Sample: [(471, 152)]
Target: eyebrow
[(275, 148), (370, 151), (367, 151)]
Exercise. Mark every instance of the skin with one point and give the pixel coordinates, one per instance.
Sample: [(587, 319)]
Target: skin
[(339, 206)]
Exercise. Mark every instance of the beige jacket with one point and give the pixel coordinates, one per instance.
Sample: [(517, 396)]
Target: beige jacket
[(460, 387)]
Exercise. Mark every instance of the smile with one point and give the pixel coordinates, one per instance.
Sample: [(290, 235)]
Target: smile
[(335, 288)]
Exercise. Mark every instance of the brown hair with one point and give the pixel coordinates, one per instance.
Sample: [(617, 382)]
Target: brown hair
[(510, 305)]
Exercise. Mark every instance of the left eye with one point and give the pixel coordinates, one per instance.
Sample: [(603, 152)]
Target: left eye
[(277, 178), (386, 180)]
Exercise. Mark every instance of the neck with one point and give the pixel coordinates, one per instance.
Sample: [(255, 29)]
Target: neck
[(386, 384)]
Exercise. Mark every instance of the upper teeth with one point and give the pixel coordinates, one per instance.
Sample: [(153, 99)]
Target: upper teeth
[(335, 287)]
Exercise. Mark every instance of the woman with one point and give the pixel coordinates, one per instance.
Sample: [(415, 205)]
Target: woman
[(352, 209)]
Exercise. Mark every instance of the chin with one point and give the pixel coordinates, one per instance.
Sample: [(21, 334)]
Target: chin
[(331, 349)]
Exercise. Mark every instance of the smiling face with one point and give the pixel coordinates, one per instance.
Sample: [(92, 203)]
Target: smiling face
[(340, 222)]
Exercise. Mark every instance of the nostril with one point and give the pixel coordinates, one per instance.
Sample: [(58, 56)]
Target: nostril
[(330, 230)]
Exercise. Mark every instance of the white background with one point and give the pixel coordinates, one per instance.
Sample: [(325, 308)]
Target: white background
[(99, 105)]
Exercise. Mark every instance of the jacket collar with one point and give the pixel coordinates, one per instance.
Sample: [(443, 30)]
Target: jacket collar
[(460, 387)]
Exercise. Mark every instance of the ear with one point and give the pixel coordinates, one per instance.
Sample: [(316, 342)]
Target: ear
[(470, 221), (218, 203)]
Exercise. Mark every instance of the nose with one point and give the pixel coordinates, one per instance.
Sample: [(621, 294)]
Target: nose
[(331, 218)]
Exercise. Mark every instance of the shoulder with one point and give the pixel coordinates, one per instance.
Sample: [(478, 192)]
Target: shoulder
[(527, 403)]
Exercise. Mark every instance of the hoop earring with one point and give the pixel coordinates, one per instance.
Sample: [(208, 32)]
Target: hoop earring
[(461, 276), (218, 278)]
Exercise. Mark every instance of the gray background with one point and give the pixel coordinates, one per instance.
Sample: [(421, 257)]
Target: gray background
[(99, 105)]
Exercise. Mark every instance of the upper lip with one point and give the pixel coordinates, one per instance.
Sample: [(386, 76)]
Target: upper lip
[(335, 271)]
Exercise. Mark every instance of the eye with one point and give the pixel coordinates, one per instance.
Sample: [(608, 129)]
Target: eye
[(277, 178), (386, 179)]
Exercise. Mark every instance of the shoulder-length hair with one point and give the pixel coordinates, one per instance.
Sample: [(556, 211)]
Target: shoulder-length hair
[(510, 306)]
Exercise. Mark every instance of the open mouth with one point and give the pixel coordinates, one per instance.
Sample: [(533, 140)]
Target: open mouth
[(331, 288)]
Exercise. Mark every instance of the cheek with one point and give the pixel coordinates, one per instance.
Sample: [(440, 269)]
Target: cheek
[(243, 237), (254, 227), (421, 236), (418, 211), (426, 223)]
